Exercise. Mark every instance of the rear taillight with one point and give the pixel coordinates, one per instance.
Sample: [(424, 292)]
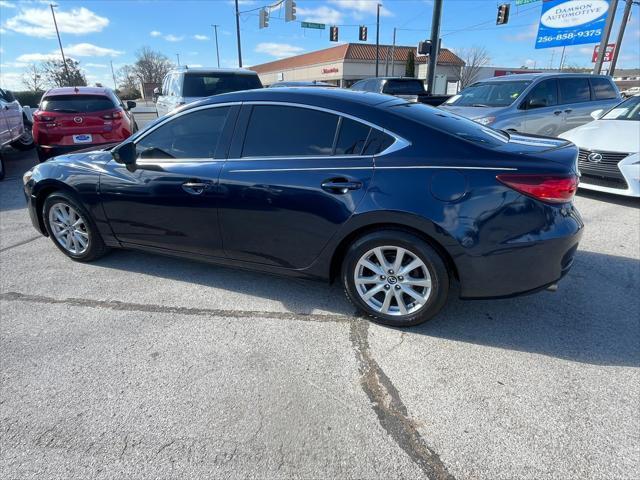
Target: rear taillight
[(548, 188), (112, 115), (38, 117)]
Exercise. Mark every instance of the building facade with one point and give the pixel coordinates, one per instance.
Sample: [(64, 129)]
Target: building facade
[(345, 64)]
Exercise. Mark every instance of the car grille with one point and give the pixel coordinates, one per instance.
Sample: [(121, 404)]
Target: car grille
[(604, 173)]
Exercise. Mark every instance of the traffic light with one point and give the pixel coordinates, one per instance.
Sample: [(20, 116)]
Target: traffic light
[(289, 10), (503, 14), (333, 34), (363, 33), (264, 18), (424, 48)]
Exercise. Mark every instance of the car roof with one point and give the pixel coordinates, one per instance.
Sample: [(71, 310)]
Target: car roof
[(77, 91), (239, 71), (534, 76), (314, 83)]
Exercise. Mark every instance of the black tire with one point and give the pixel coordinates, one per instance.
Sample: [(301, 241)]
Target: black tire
[(25, 142), (416, 247), (1, 167), (95, 248), (42, 155)]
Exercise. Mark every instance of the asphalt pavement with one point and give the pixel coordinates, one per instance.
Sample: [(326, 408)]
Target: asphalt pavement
[(143, 366)]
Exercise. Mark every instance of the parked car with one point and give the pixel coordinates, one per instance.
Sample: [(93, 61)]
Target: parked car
[(395, 198), (411, 89), (630, 92), (540, 103), (186, 85), (302, 84), (73, 118), (609, 158), (15, 126)]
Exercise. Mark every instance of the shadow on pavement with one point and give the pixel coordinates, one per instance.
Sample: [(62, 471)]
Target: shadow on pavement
[(581, 322)]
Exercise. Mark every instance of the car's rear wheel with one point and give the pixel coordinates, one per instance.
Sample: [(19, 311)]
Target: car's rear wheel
[(71, 228), (42, 155), (25, 142), (395, 277)]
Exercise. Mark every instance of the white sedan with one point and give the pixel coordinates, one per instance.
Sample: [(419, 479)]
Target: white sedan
[(609, 158)]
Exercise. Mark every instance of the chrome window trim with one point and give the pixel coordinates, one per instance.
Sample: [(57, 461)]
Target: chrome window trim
[(398, 144), (399, 167)]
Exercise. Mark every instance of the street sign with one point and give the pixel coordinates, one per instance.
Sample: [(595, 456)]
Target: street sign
[(608, 53), (317, 26), (571, 22), (525, 2)]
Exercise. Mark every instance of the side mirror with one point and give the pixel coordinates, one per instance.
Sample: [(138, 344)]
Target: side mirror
[(536, 103), (125, 153), (131, 104), (597, 114), (156, 93)]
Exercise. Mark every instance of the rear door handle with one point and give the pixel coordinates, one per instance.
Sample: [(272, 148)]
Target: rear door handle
[(195, 187), (568, 110), (557, 112), (340, 186)]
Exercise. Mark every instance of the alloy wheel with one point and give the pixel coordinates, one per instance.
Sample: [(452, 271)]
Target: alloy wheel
[(69, 228), (392, 280)]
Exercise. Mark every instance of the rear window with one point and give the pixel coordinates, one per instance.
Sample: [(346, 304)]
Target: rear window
[(404, 87), (603, 89), (450, 123), (574, 90), (207, 84), (76, 103)]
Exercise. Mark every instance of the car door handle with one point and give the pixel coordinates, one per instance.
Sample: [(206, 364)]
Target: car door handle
[(568, 110), (340, 186), (557, 112), (195, 188)]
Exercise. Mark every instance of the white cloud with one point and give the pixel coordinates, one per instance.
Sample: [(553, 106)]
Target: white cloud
[(173, 38), (37, 22), (360, 8), (278, 50), (90, 50), (6, 4), (155, 33), (11, 80), (195, 65), (201, 37), (323, 14), (13, 65), (38, 57), (95, 65)]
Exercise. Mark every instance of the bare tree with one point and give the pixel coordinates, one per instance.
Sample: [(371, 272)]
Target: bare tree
[(57, 75), (128, 81), (33, 79), (151, 66), (474, 58)]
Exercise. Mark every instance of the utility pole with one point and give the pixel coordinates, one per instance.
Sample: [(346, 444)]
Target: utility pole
[(393, 54), (215, 29), (238, 35), (115, 85), (623, 25), (604, 41), (178, 57), (377, 39), (435, 43), (562, 58), (64, 60)]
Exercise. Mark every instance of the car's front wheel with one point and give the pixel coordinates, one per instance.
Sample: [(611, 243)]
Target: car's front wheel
[(395, 277), (71, 228), (25, 142)]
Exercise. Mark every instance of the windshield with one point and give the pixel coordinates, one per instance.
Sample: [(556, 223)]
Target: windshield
[(627, 110), (207, 84), (404, 87), (76, 103), (452, 124), (489, 94)]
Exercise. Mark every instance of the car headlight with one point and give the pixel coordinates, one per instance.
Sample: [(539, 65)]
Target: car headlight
[(27, 176), (485, 120)]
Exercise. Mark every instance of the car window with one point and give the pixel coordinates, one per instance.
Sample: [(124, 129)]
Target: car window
[(275, 131), (377, 142), (627, 110), (174, 88), (358, 85), (489, 94), (404, 87), (574, 90), (545, 94), (207, 84), (165, 84), (603, 89), (193, 135), (76, 103), (352, 137)]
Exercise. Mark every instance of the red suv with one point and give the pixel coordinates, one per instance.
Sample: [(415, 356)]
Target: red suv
[(72, 118)]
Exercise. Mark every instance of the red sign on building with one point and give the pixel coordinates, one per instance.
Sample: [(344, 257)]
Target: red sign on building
[(608, 53), (330, 70)]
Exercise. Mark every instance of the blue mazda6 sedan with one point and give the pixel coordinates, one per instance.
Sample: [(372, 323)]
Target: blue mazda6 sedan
[(396, 199)]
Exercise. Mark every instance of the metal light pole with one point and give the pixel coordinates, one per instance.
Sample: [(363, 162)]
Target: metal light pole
[(64, 60), (604, 41), (238, 35), (377, 39), (393, 54), (178, 57), (623, 25), (215, 29), (435, 40), (115, 85)]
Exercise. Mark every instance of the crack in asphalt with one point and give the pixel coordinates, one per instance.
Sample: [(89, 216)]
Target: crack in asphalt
[(19, 244), (392, 413), (385, 399)]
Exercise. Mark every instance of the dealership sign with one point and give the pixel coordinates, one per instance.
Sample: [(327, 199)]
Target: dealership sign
[(608, 53), (572, 22)]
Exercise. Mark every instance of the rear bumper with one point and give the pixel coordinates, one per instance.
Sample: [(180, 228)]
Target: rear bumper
[(523, 266)]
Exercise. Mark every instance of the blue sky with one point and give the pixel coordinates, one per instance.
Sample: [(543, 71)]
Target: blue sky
[(96, 32)]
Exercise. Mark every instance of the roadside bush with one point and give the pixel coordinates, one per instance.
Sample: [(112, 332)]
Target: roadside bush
[(28, 98), (129, 94)]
